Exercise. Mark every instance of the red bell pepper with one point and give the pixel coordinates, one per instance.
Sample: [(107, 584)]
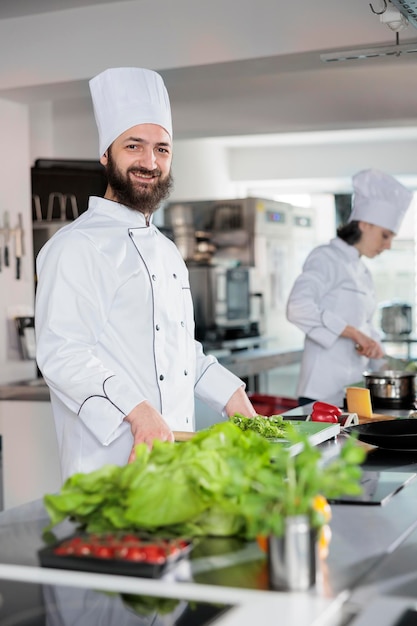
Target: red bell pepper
[(324, 412)]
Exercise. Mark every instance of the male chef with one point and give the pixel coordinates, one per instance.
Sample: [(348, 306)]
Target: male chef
[(114, 315)]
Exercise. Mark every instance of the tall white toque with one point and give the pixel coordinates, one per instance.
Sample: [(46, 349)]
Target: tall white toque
[(379, 199), (126, 96)]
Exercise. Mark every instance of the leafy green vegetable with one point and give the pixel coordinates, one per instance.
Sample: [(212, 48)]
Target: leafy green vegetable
[(223, 482), (274, 427)]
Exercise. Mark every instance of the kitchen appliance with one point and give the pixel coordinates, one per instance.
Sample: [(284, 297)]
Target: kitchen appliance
[(396, 318), (377, 486), (391, 388), (221, 297), (269, 238)]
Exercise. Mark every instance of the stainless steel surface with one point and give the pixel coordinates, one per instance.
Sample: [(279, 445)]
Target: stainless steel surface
[(396, 318), (251, 362), (227, 221), (221, 297), (30, 390), (268, 237), (292, 558), (389, 385)]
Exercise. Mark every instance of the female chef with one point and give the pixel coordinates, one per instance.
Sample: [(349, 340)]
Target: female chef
[(333, 300)]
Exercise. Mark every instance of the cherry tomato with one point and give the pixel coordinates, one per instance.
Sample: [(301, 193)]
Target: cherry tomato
[(135, 553), (155, 554), (103, 552)]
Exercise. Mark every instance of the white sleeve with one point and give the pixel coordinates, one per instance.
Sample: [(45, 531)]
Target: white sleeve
[(69, 289), (305, 303), (215, 384)]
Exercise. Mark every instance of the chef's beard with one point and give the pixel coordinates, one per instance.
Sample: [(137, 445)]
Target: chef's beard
[(143, 198)]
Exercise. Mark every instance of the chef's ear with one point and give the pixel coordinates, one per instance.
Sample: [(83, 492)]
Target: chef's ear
[(104, 159)]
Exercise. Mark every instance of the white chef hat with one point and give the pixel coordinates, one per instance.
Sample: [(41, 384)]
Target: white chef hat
[(379, 199), (126, 96)]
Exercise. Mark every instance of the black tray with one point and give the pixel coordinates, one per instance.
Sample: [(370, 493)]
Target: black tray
[(112, 565), (400, 434)]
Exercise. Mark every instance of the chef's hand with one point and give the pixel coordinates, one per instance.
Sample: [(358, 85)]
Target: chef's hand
[(365, 345), (240, 403), (147, 424)]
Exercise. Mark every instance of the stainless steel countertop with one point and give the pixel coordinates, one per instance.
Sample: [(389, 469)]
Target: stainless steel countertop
[(251, 362), (30, 390), (242, 363)]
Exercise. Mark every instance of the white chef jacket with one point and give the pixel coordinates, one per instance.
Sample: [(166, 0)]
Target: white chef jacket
[(114, 326), (335, 289)]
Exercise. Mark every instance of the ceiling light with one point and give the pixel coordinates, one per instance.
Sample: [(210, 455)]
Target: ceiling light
[(369, 53)]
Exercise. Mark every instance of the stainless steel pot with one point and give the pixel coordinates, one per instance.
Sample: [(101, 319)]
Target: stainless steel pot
[(396, 318), (391, 386)]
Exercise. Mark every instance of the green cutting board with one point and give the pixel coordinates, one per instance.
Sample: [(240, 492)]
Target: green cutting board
[(317, 432)]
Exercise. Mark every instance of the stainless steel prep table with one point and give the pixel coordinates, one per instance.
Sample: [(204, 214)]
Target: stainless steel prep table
[(235, 578), (364, 537)]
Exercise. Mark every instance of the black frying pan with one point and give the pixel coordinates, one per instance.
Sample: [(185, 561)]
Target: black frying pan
[(400, 434)]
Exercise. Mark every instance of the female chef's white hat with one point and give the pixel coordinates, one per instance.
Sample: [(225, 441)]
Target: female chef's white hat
[(126, 96), (379, 199)]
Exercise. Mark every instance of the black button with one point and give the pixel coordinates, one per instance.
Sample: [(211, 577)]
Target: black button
[(182, 324), (153, 277), (174, 275), (185, 372), (157, 327), (161, 377)]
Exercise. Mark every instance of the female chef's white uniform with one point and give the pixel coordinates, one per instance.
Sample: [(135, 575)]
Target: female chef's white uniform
[(336, 290)]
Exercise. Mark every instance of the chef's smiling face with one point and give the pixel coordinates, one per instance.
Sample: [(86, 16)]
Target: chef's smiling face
[(138, 167), (374, 239)]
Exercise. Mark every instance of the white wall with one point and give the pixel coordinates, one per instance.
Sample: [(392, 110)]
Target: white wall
[(324, 156), (16, 295)]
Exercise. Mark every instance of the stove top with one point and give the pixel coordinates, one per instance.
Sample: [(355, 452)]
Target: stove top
[(378, 487)]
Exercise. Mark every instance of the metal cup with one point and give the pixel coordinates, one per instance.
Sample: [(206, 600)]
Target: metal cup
[(292, 558)]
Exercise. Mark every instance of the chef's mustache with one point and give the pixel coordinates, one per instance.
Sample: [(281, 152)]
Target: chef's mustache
[(155, 173)]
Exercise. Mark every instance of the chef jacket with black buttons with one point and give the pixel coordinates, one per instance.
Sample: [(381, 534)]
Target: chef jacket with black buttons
[(114, 327), (335, 289)]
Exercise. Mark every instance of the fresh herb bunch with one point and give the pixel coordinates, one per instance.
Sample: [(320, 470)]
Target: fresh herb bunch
[(223, 482), (274, 427)]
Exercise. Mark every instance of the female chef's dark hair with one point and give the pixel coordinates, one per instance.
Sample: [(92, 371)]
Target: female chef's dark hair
[(350, 232)]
